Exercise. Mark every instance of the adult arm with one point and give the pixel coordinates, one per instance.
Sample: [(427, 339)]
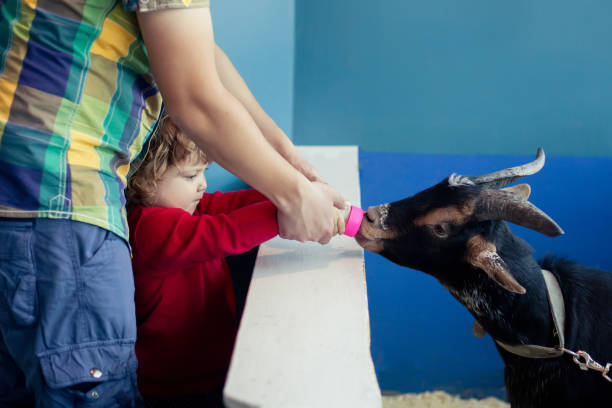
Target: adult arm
[(181, 49), (234, 83)]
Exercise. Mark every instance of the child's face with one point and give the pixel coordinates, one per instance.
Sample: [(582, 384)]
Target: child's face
[(182, 186)]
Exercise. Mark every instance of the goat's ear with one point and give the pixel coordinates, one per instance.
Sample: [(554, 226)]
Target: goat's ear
[(523, 191), (483, 254)]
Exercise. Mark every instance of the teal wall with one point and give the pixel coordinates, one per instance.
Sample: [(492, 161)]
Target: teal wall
[(445, 76), (451, 76), (259, 39)]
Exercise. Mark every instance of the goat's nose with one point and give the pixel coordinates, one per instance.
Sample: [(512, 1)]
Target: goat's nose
[(373, 214)]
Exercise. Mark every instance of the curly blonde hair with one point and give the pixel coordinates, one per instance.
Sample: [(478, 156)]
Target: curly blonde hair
[(167, 147)]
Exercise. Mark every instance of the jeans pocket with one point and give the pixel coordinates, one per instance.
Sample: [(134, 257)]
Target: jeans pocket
[(107, 370), (107, 291), (18, 294)]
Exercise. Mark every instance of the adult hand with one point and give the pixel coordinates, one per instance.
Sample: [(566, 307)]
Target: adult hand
[(303, 166), (312, 216)]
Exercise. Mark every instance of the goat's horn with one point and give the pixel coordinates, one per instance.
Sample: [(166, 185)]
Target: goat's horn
[(505, 205), (504, 177)]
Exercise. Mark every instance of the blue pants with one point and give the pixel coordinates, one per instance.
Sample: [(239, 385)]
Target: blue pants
[(67, 319)]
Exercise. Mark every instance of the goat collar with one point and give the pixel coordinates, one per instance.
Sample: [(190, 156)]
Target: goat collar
[(555, 299)]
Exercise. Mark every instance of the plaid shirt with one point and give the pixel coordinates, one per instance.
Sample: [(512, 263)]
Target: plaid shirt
[(77, 102)]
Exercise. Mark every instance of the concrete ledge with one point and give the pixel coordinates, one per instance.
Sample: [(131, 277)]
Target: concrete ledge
[(304, 339)]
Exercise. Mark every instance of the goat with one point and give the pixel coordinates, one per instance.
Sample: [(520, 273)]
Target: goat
[(455, 232)]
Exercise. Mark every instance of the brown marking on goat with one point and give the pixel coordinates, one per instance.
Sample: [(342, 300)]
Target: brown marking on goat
[(483, 254), (477, 245), (478, 330), (449, 214)]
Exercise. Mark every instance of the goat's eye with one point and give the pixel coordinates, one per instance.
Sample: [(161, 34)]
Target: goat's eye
[(440, 230)]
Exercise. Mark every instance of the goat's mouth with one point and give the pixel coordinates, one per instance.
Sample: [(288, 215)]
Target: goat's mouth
[(370, 236), (372, 245)]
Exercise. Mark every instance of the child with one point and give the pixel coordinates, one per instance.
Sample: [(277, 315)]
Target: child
[(184, 296)]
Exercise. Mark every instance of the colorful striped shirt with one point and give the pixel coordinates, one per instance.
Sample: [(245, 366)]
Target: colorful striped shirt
[(77, 103)]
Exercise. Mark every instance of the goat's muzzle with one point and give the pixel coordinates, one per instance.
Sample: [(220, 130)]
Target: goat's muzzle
[(373, 229)]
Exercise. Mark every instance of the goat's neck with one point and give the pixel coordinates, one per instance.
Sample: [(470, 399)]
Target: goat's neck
[(509, 317)]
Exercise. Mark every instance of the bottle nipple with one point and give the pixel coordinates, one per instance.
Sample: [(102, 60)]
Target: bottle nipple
[(352, 219)]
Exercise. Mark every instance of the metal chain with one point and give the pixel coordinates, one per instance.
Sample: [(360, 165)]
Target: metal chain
[(589, 363)]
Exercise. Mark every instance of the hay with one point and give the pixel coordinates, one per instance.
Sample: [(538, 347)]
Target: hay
[(439, 399)]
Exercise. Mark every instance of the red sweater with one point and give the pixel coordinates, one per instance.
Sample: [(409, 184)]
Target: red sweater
[(185, 305)]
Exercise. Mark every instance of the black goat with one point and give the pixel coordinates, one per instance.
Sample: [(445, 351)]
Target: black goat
[(455, 231)]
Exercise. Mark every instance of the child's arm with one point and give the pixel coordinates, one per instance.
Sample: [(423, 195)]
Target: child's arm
[(169, 236), (224, 203)]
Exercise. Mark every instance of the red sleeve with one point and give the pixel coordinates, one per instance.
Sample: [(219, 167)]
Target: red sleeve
[(223, 203), (170, 236)]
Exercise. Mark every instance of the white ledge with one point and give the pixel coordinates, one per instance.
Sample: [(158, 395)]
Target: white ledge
[(304, 340)]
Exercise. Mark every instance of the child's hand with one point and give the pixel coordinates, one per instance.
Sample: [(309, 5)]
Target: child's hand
[(339, 225)]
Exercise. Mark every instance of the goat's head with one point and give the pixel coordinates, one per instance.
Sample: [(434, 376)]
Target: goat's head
[(451, 223)]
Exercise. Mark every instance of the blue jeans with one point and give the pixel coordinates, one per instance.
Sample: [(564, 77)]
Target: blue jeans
[(67, 319)]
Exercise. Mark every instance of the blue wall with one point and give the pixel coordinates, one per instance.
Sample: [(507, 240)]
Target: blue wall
[(421, 336), (452, 76)]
